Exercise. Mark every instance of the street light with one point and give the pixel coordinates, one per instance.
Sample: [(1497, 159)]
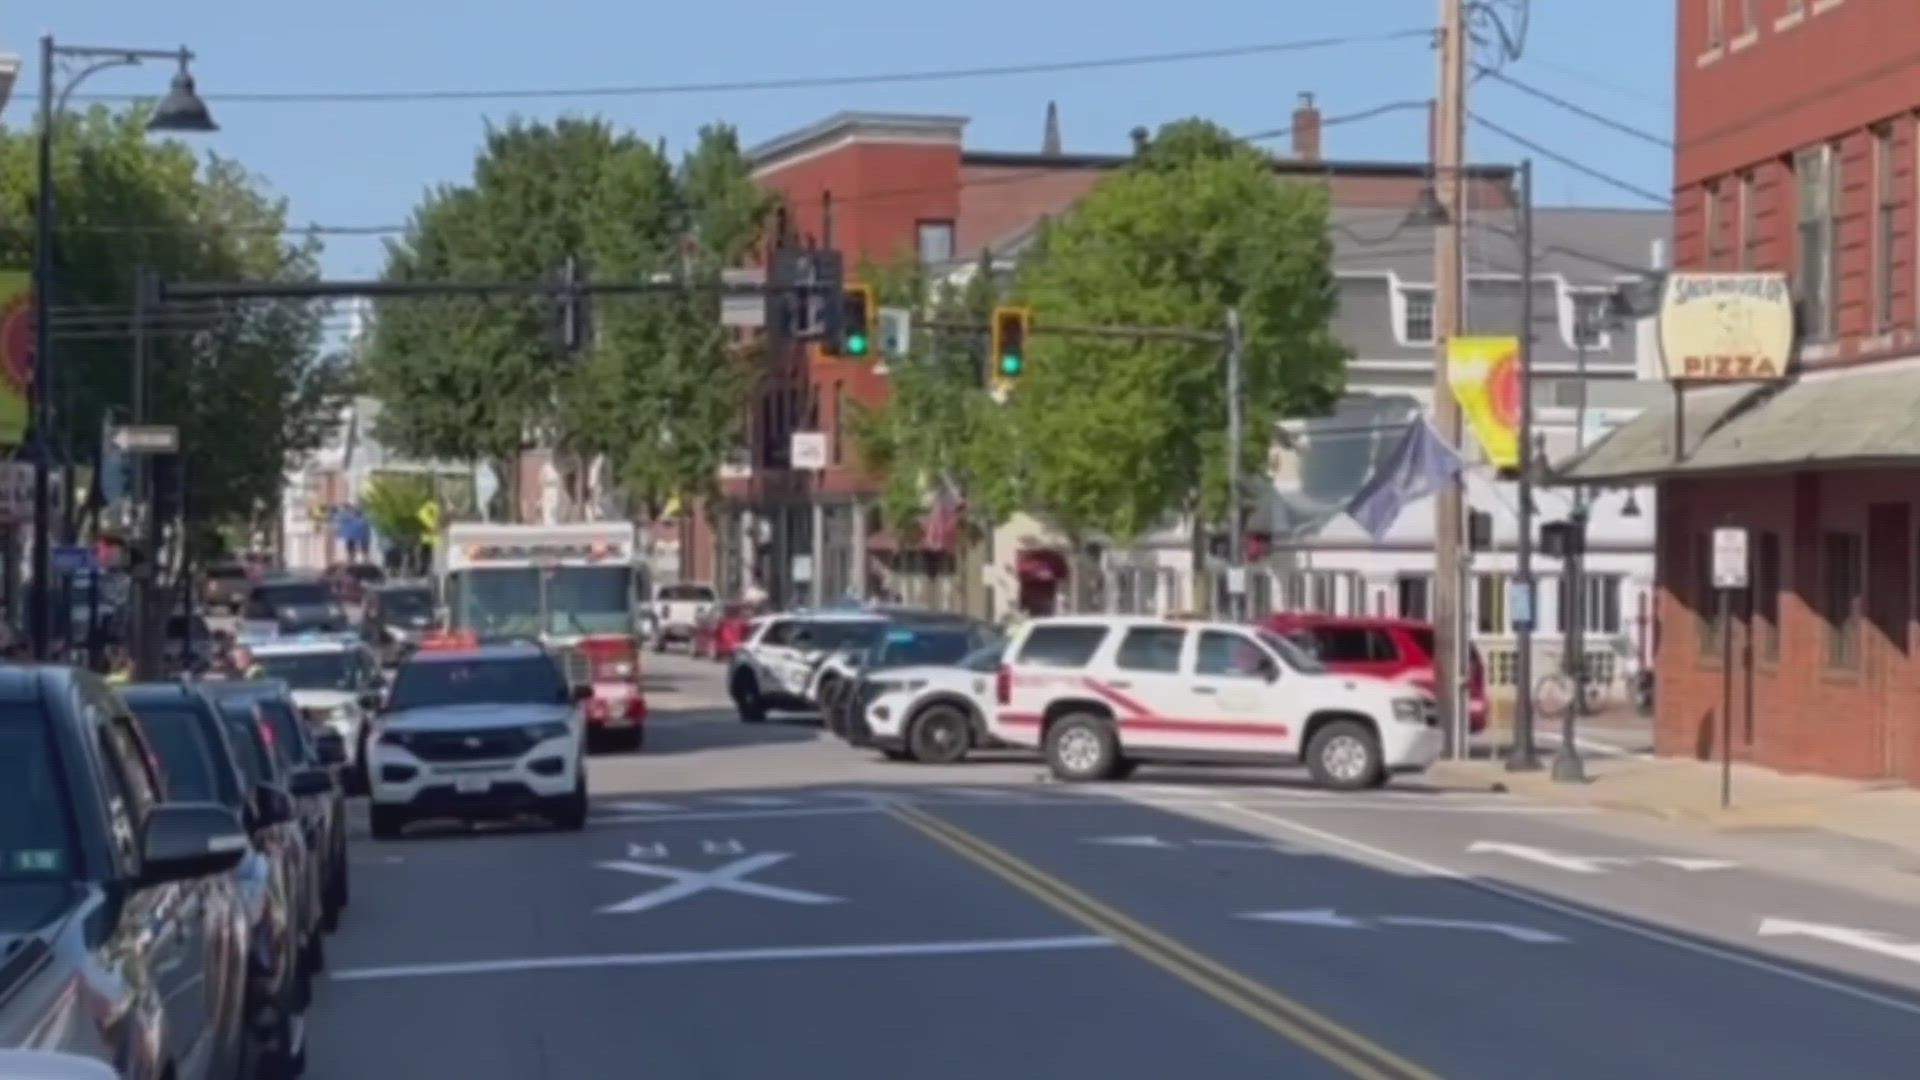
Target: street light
[(181, 110)]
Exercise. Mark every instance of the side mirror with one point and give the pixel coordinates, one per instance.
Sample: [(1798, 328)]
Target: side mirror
[(271, 806), (1270, 671), (583, 693), (310, 782), (189, 840), (332, 749)]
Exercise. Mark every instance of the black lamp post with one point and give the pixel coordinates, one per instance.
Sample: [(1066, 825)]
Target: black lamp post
[(180, 110)]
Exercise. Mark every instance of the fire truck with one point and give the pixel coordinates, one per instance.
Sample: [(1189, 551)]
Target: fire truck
[(571, 587)]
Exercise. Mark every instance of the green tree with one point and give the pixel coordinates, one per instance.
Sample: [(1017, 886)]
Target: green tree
[(392, 503), (1116, 434), (248, 384)]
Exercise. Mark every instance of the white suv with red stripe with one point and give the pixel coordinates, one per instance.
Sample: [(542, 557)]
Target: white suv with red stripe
[(1100, 695)]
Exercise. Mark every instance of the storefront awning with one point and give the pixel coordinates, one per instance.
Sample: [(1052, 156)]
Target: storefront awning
[(1863, 418)]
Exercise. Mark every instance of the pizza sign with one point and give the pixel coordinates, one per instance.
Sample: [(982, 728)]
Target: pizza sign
[(1726, 327)]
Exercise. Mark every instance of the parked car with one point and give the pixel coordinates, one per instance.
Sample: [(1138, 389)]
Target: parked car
[(202, 759), (1386, 648), (395, 616), (224, 586), (125, 930), (290, 605)]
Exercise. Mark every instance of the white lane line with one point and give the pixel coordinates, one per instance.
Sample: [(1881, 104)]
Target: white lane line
[(640, 806), (724, 956), (729, 815), (752, 800), (1591, 918), (977, 793)]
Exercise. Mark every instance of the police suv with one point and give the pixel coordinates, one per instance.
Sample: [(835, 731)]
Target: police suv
[(335, 681), (475, 731)]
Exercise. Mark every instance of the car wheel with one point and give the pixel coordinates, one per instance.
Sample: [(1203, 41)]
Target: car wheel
[(572, 815), (279, 1046), (341, 892), (1081, 747), (1345, 756), (831, 690), (940, 735), (386, 822), (746, 699)]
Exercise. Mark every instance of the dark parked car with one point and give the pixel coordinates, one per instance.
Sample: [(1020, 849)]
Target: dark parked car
[(203, 761), (291, 605), (394, 618), (319, 800), (122, 932)]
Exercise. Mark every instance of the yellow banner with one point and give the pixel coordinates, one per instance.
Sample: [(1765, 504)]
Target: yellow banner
[(1485, 375), (16, 354)]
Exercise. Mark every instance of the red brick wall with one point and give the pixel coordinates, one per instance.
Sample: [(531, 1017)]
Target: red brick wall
[(1829, 78), (1795, 712)]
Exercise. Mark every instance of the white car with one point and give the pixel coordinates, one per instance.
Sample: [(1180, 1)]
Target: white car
[(677, 611), (930, 713), (1100, 695), (335, 681), (778, 665), (491, 731)]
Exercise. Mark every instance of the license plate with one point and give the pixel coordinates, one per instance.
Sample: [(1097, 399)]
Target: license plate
[(471, 785)]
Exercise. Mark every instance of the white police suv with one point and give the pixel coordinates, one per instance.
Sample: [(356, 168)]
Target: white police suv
[(478, 731), (335, 681)]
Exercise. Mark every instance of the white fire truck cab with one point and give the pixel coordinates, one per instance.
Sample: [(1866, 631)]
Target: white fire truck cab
[(571, 587)]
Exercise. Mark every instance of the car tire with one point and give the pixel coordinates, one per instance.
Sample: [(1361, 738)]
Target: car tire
[(831, 690), (278, 1049), (746, 698), (386, 822), (1345, 756), (940, 735), (1081, 747), (572, 815), (1122, 768)]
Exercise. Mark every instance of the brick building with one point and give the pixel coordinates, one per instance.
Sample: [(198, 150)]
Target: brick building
[(1795, 153), (875, 186)]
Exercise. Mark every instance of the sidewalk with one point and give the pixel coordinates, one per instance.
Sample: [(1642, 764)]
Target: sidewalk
[(1766, 804)]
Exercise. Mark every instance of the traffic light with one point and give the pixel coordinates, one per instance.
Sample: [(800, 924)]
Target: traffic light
[(1010, 326), (851, 331)]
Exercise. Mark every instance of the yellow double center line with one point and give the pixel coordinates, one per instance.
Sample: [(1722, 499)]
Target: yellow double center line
[(1300, 1025)]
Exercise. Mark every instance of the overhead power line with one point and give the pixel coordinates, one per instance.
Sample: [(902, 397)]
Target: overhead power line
[(1583, 169), (1582, 111), (798, 82)]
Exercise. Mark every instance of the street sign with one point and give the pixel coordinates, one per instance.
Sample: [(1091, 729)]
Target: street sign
[(145, 438), (72, 559), (808, 450), (1729, 558)]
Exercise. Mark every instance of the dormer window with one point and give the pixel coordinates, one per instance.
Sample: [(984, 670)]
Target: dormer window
[(1416, 322)]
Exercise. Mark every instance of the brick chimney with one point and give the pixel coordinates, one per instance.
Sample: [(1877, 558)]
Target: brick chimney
[(1306, 129)]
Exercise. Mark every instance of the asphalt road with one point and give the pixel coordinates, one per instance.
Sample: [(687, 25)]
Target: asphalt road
[(761, 901)]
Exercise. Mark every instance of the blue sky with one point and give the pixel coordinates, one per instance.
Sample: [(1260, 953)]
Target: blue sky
[(367, 164)]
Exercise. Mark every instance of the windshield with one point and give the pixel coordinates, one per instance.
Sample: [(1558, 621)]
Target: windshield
[(186, 761), (832, 636), (293, 594), (407, 607), (911, 647), (499, 600), (341, 670), (702, 594), (35, 843), (250, 754), (1297, 658), (532, 680), (589, 599)]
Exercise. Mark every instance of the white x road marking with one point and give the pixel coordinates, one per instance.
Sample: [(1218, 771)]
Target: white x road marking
[(729, 878)]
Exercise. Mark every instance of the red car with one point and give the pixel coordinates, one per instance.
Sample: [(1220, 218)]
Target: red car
[(718, 636), (1387, 648)]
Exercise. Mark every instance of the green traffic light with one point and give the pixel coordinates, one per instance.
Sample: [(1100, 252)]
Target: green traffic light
[(856, 344), (1010, 365)]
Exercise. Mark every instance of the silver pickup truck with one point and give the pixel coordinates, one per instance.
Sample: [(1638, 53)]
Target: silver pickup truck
[(677, 611)]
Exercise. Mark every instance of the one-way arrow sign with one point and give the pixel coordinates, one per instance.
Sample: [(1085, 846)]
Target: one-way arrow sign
[(1873, 941), (145, 438)]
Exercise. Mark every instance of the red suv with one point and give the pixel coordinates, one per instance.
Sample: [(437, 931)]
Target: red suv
[(1387, 648)]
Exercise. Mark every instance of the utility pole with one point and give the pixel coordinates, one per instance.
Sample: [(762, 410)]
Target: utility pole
[(1568, 767), (1448, 149), (1236, 526), (1522, 757)]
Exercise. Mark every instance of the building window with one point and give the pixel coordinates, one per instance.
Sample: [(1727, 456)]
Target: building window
[(1590, 320), (1490, 603), (1412, 598), (1885, 200), (1716, 24), (1816, 174), (936, 242), (1710, 221), (1747, 211), (840, 419), (1418, 327), (1325, 594), (1840, 598), (1600, 612), (1709, 603), (1766, 595)]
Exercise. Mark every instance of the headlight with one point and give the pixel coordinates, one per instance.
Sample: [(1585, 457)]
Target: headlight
[(1410, 710), (552, 729)]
